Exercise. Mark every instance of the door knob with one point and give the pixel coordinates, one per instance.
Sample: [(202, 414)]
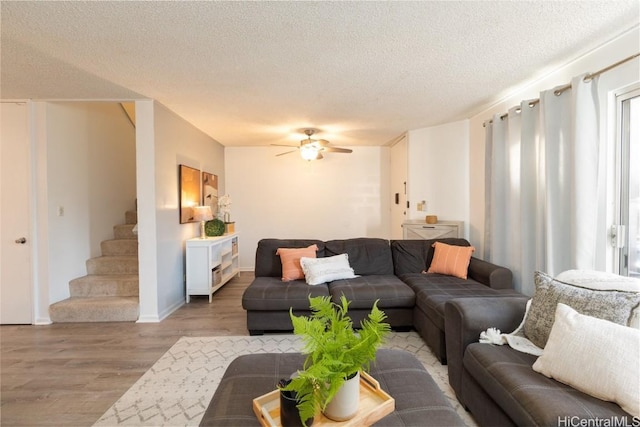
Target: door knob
[(21, 240)]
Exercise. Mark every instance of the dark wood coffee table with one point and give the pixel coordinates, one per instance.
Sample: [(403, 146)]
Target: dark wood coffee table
[(418, 400)]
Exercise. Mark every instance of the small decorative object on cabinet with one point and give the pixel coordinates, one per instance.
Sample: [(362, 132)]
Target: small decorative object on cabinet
[(417, 230), (215, 227), (211, 263), (431, 219)]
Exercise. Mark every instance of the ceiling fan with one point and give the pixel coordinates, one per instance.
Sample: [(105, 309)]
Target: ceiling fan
[(312, 149)]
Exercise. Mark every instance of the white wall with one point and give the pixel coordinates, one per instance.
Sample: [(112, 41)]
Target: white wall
[(439, 171), (164, 141), (620, 48), (90, 173), (339, 197)]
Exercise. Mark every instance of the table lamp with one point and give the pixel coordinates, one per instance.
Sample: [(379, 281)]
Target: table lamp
[(202, 214)]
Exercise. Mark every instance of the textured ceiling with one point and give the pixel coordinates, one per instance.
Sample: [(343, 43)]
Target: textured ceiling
[(251, 73)]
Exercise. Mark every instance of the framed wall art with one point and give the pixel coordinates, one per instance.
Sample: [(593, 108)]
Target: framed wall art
[(189, 192), (210, 192)]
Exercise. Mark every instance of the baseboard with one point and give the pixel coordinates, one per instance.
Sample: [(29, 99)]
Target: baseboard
[(176, 305), (148, 319), (43, 321), (162, 315)]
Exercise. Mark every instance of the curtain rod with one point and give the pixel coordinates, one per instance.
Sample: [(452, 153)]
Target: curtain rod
[(563, 88)]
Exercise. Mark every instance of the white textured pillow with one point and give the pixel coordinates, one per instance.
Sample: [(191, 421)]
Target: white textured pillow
[(322, 270), (595, 356), (603, 281), (600, 280)]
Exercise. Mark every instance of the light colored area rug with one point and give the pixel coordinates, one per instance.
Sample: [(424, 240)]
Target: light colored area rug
[(179, 386)]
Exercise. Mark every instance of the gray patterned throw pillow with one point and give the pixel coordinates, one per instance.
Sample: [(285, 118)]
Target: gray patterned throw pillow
[(614, 306)]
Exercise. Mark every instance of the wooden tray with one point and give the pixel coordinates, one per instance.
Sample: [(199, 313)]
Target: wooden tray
[(375, 403)]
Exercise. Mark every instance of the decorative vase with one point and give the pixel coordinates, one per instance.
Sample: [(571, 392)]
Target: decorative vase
[(289, 414), (344, 404)]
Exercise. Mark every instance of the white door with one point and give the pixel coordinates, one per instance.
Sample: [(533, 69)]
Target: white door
[(15, 251), (398, 187)]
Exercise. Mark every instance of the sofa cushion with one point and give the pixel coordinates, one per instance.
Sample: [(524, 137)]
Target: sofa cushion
[(528, 397), (614, 306), (290, 260), (363, 291), (595, 356), (367, 256), (327, 269), (268, 264), (415, 256), (434, 290), (451, 260), (271, 294)]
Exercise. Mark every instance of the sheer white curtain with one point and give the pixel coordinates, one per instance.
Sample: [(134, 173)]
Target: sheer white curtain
[(541, 184)]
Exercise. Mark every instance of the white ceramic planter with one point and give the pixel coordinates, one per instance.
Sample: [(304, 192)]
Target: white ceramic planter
[(344, 404)]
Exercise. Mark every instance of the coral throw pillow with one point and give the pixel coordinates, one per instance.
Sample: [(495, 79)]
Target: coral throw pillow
[(290, 258), (451, 260)]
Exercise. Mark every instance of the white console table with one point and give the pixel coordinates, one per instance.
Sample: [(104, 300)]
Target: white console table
[(211, 263), (419, 229)]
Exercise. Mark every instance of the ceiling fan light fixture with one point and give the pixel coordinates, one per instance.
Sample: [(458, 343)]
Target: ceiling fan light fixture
[(309, 152), (312, 149)]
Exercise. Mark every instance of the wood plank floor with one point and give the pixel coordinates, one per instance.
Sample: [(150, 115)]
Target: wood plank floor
[(70, 374)]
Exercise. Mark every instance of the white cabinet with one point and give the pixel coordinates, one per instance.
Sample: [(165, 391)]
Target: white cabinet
[(416, 230), (211, 263)]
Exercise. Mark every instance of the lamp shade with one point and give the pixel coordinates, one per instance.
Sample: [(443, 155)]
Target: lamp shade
[(309, 152), (202, 213)]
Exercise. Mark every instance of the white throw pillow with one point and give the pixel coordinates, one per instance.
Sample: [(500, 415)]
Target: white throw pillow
[(322, 270), (595, 356), (603, 281)]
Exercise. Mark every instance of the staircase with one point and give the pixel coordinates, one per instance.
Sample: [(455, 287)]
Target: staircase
[(109, 291)]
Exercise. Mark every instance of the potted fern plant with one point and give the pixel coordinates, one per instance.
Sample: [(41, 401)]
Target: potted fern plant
[(335, 353)]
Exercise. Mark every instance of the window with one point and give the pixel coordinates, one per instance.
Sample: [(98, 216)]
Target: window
[(626, 236)]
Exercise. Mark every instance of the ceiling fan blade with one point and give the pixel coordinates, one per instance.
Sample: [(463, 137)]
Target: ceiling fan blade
[(284, 145), (319, 156), (322, 142), (337, 150), (286, 152)]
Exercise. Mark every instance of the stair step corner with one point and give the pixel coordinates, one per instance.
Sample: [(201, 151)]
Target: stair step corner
[(131, 217)]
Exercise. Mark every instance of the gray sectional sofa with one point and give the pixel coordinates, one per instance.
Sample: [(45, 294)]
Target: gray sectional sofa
[(497, 383), (389, 271)]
